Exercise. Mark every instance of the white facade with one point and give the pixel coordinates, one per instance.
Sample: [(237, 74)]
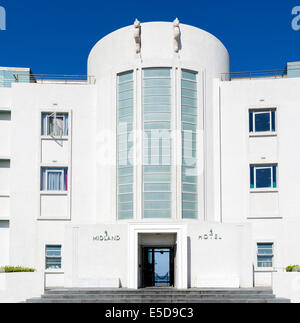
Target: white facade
[(213, 232)]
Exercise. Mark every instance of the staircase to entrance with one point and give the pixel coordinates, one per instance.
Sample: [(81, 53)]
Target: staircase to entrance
[(158, 295)]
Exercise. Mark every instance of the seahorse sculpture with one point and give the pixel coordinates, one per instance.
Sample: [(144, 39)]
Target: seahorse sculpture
[(176, 35), (137, 35)]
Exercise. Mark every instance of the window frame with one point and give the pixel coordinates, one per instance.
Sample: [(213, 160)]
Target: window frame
[(261, 268), (47, 257), (263, 111), (45, 130), (264, 166), (54, 170)]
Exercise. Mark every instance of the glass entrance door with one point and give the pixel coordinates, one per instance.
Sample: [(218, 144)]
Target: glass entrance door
[(158, 267)]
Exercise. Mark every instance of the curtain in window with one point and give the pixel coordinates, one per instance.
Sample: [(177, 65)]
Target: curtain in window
[(54, 181), (58, 127), (66, 125)]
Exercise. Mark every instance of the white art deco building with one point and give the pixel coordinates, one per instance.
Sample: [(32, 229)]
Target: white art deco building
[(158, 170)]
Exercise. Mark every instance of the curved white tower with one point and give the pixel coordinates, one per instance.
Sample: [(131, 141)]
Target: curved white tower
[(155, 90)]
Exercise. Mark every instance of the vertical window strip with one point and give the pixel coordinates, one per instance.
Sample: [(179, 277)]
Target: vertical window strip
[(189, 115), (157, 194), (125, 116)]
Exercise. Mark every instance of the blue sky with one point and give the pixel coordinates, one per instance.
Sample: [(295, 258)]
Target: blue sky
[(55, 37)]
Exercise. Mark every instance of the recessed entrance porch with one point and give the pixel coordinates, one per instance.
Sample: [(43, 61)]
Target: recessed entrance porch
[(158, 256)]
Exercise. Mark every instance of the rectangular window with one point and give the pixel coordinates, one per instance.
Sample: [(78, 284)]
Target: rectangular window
[(189, 120), (55, 124), (5, 115), (157, 148), (125, 118), (262, 120), (263, 176), (54, 179), (53, 257), (265, 255)]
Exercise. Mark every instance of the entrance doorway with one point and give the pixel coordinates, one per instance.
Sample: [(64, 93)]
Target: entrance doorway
[(158, 267)]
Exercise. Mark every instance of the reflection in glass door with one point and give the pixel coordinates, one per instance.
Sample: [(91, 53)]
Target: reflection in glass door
[(158, 267)]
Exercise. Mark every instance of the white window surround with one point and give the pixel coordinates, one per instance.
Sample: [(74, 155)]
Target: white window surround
[(263, 110), (54, 169), (263, 134), (68, 164), (264, 189), (60, 114)]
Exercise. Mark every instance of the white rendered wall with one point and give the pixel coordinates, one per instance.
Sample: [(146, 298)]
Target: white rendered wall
[(92, 260), (30, 231), (4, 243), (4, 189), (5, 132), (5, 98), (199, 51), (274, 215), (239, 149)]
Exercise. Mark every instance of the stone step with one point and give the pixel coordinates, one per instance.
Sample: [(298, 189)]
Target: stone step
[(146, 296), (159, 301), (152, 296), (157, 291)]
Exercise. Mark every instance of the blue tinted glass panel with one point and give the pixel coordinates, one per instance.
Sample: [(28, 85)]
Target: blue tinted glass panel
[(189, 119), (53, 257), (125, 145), (157, 142), (263, 177), (273, 120), (251, 176), (265, 255), (274, 176), (262, 122), (250, 121)]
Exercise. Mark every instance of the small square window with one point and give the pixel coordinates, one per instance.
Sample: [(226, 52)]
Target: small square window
[(263, 176), (262, 120), (55, 124), (54, 179), (53, 257), (265, 255)]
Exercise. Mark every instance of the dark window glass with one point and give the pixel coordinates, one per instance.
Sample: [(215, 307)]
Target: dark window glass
[(262, 122), (274, 176), (273, 121), (251, 176), (263, 177), (250, 121)]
